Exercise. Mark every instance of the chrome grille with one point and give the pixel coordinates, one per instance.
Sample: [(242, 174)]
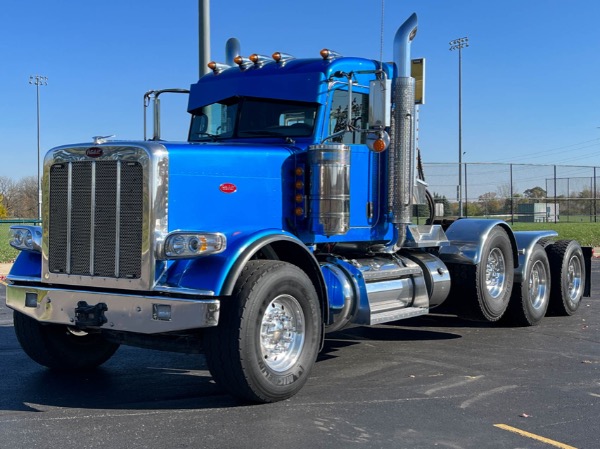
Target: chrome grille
[(95, 219)]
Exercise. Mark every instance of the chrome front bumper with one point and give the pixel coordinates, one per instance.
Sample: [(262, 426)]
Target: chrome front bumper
[(129, 313)]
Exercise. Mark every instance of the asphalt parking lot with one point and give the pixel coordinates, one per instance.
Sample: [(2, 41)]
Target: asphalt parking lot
[(433, 381)]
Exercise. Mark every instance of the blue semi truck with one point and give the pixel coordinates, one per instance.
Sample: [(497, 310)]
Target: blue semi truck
[(286, 215)]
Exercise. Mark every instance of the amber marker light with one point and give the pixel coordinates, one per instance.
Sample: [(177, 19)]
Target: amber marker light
[(239, 60), (325, 53), (299, 211), (299, 185), (378, 146), (276, 56), (299, 198), (212, 65), (299, 171)]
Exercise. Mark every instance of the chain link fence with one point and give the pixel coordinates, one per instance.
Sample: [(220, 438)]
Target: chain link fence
[(516, 192)]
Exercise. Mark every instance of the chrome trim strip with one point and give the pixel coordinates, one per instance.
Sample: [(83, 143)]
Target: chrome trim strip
[(118, 220), (13, 278), (183, 291), (69, 210), (92, 217), (130, 313)]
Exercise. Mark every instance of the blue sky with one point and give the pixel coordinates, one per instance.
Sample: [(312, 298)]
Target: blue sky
[(531, 75)]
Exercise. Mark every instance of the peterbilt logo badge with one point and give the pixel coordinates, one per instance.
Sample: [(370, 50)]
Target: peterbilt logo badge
[(94, 152), (228, 188)]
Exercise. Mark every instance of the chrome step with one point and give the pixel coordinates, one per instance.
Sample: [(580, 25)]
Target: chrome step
[(387, 315)]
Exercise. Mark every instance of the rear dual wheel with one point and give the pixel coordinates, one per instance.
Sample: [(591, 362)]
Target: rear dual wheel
[(567, 267), (482, 292), (530, 298)]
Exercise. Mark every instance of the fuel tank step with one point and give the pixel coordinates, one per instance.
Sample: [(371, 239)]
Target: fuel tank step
[(387, 315)]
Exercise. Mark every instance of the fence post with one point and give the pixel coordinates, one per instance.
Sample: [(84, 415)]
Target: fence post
[(512, 210), (466, 194), (555, 200)]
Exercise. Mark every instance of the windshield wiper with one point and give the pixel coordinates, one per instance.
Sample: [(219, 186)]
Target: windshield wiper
[(210, 136), (264, 133)]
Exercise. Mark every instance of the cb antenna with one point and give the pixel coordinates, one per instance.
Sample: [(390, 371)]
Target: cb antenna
[(381, 37)]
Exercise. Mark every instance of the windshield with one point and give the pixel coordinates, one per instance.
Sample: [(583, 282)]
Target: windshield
[(243, 117)]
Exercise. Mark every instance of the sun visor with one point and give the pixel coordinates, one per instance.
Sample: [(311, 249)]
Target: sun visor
[(306, 87)]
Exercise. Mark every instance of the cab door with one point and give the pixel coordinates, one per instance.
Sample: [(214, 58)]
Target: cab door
[(363, 162)]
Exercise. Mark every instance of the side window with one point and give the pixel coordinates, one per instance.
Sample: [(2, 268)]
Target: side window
[(338, 117)]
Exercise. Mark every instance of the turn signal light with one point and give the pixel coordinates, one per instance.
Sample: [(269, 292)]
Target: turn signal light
[(379, 146)]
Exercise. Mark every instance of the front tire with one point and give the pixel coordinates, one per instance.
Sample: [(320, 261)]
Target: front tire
[(59, 347), (567, 266), (268, 336)]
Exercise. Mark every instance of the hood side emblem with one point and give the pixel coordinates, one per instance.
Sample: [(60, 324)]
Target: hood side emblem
[(228, 188)]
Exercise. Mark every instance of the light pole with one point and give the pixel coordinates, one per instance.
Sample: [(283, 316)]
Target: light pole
[(38, 80), (459, 44)]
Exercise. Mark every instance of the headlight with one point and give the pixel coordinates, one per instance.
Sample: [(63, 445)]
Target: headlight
[(26, 238), (181, 245)]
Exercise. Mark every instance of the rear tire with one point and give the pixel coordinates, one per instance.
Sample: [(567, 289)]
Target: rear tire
[(59, 347), (529, 300), (268, 335), (567, 267), (482, 292)]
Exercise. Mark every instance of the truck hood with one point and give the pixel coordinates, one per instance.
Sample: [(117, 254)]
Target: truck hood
[(220, 187)]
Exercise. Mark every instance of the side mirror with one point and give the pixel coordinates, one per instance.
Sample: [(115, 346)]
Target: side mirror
[(380, 103), (199, 125)]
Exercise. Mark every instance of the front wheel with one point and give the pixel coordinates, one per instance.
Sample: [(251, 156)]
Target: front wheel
[(60, 347), (268, 336)]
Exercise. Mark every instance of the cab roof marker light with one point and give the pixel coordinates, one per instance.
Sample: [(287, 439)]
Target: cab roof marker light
[(242, 62), (330, 54), (26, 238), (281, 58), (187, 245), (260, 60), (217, 67)]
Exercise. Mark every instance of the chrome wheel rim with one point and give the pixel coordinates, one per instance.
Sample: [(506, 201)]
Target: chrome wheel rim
[(574, 279), (538, 284), (282, 333), (495, 273)]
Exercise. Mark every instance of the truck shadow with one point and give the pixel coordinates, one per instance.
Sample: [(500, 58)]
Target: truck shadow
[(133, 379), (140, 379)]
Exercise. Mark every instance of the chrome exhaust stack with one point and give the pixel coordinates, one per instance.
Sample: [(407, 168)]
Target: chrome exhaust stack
[(401, 154), (232, 49)]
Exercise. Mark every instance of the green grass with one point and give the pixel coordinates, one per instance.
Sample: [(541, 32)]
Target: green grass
[(587, 234), (7, 252)]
